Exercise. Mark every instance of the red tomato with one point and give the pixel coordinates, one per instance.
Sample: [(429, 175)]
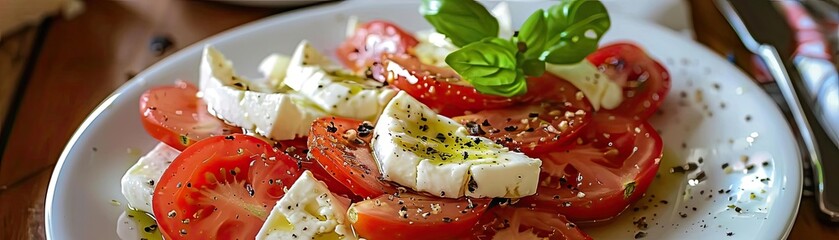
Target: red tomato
[(645, 82), (526, 222), (610, 167), (370, 42), (342, 147), (174, 115), (531, 129), (415, 217), (440, 89), (221, 187), (299, 150), (524, 127)]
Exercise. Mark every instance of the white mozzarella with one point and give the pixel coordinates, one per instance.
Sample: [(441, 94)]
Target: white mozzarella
[(307, 211), (336, 91), (501, 12), (274, 69), (599, 89), (139, 181), (276, 115), (427, 152)]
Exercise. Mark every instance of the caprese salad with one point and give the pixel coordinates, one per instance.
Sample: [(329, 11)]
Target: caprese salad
[(468, 131)]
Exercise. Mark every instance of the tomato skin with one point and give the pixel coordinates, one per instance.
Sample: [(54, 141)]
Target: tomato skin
[(645, 81), (380, 218), (175, 116), (599, 178), (545, 225), (299, 149), (349, 160), (441, 89), (221, 187), (531, 128), (370, 42)]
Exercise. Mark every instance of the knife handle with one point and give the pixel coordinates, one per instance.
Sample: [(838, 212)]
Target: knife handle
[(823, 154)]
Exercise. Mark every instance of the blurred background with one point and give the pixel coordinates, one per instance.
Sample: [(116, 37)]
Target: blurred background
[(60, 58)]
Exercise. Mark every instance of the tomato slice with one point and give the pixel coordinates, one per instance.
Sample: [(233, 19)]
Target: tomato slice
[(532, 128), (645, 82), (416, 217), (500, 222), (176, 116), (298, 149), (611, 167), (441, 89), (221, 187), (342, 147), (365, 48)]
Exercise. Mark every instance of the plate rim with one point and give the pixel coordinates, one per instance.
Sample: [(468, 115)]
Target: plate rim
[(182, 54)]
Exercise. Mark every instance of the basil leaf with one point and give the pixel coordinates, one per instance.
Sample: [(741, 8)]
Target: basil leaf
[(490, 65), (533, 34), (567, 52), (533, 67), (516, 88), (574, 24), (462, 21)]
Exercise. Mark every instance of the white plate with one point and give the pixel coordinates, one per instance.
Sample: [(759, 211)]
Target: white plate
[(86, 179)]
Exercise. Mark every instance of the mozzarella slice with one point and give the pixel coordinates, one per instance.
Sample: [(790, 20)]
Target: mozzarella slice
[(599, 89), (433, 47), (419, 149), (139, 181), (331, 88), (274, 69), (501, 12), (307, 211), (278, 116)]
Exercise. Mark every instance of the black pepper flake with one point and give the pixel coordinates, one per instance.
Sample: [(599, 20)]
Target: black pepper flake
[(750, 167), (441, 137), (510, 128), (765, 163), (472, 186), (640, 234), (474, 128), (724, 165), (533, 115), (447, 219), (229, 137), (729, 234), (423, 128), (150, 228), (364, 129), (683, 215), (485, 123), (331, 128)]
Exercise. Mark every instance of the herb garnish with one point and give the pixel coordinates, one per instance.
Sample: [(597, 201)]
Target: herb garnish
[(563, 34)]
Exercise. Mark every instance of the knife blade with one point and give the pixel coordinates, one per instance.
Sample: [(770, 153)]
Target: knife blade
[(763, 31)]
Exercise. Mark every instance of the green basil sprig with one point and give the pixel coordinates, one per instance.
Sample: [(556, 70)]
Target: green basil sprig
[(563, 34)]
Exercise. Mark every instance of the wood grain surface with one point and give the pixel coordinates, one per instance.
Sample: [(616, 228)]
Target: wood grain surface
[(83, 60)]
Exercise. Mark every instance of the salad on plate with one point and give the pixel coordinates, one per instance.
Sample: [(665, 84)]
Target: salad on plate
[(472, 130)]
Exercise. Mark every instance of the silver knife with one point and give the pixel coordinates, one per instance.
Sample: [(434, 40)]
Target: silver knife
[(764, 31)]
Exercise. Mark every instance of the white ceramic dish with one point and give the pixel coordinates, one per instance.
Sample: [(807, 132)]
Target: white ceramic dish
[(713, 112)]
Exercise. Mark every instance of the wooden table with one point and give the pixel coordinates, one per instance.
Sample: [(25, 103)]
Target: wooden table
[(52, 76)]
